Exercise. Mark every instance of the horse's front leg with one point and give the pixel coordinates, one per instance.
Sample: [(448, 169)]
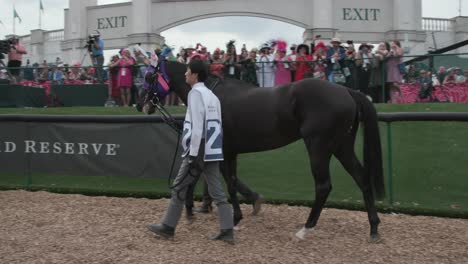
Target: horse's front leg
[(231, 178)]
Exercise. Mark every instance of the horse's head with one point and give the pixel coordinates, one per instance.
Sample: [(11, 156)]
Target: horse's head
[(153, 90), (159, 81)]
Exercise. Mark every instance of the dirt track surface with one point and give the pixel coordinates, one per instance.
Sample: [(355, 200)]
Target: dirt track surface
[(41, 227)]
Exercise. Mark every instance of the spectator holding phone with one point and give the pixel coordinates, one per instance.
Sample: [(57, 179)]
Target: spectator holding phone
[(125, 78), (364, 59), (335, 58), (394, 75)]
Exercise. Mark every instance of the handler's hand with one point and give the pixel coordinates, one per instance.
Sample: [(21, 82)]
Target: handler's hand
[(192, 159), (194, 166)]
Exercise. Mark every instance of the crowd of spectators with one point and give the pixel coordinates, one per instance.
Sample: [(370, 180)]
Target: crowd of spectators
[(370, 69), (57, 72), (364, 67)]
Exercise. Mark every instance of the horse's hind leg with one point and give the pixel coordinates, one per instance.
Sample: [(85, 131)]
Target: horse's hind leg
[(319, 149), (346, 155)]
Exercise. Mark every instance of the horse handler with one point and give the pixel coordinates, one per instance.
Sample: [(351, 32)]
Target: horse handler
[(202, 153)]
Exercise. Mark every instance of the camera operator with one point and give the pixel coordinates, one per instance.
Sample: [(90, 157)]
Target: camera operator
[(15, 57), (97, 53)]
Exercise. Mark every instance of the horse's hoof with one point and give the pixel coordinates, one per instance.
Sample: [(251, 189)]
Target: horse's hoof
[(189, 218), (301, 234), (257, 205), (237, 220), (374, 239)]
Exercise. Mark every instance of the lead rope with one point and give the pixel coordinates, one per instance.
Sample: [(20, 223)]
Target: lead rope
[(171, 122)]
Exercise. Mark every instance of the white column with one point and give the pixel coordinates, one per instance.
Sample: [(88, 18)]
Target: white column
[(78, 17), (407, 15), (142, 26), (407, 24), (322, 14), (37, 45), (141, 16), (76, 31), (460, 32), (320, 20)]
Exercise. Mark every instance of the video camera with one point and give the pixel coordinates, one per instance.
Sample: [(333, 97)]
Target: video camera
[(91, 40), (5, 46)]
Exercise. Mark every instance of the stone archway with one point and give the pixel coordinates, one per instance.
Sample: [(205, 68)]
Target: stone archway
[(142, 21)]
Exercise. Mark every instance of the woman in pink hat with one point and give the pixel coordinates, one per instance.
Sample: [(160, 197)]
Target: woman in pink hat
[(319, 61), (74, 72), (125, 75), (282, 73), (216, 65)]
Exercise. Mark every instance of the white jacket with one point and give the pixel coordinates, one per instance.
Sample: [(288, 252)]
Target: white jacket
[(203, 121)]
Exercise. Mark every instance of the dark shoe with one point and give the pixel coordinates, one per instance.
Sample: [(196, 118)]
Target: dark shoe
[(226, 235), (257, 205), (204, 209), (162, 230)]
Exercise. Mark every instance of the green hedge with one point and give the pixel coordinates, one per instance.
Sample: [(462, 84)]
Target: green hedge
[(22, 96)]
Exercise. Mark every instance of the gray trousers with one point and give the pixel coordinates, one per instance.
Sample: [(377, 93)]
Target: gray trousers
[(98, 62), (212, 176)]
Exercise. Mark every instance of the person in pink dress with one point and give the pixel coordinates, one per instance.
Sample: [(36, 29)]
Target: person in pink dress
[(125, 79), (302, 62), (114, 79), (282, 73), (394, 76)]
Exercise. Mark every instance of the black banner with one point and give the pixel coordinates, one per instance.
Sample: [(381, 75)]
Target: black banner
[(136, 149)]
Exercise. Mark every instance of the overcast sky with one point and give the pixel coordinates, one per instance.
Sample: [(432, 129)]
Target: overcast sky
[(214, 32)]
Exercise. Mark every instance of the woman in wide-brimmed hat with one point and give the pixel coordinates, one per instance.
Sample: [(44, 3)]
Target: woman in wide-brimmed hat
[(266, 67), (282, 73), (249, 68), (336, 55), (231, 61), (364, 60)]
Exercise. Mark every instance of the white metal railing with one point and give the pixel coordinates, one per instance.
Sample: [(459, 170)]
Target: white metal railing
[(54, 35), (437, 24)]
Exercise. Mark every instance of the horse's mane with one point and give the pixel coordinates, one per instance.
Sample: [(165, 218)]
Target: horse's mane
[(178, 66), (238, 84)]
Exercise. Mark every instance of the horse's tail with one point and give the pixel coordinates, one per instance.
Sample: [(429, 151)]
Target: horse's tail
[(372, 148)]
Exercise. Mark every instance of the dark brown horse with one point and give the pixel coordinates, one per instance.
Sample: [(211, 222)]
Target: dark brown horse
[(325, 115)]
